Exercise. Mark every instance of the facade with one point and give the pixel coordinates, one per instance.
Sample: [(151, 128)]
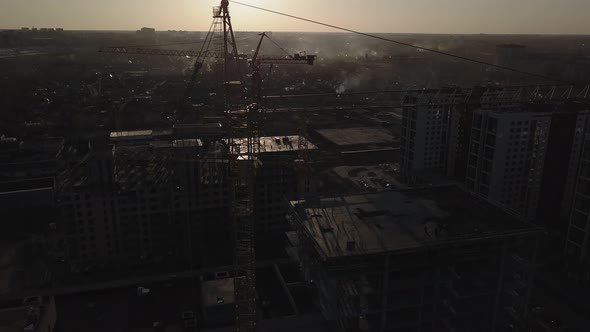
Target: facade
[(277, 181), (426, 134), (28, 168), (579, 145), (506, 158), (517, 158), (577, 247), (431, 259), (140, 200), (435, 133)]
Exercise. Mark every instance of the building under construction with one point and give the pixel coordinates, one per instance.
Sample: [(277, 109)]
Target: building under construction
[(146, 198), (276, 181), (434, 259)]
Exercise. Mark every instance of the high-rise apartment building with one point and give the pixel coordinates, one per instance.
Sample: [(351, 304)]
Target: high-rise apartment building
[(435, 133), (522, 158), (426, 133), (143, 199), (506, 158)]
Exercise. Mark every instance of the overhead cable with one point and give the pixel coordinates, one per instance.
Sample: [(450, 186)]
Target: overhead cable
[(460, 57)]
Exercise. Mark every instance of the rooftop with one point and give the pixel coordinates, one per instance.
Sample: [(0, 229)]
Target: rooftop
[(187, 143), (136, 134), (217, 292), (137, 166), (394, 221), (276, 144), (356, 136)]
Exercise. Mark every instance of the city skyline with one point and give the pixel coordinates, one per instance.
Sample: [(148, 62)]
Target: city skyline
[(423, 16)]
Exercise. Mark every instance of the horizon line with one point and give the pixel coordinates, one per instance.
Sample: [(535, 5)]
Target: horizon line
[(331, 32)]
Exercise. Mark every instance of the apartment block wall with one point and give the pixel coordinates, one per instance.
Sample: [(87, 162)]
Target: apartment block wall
[(577, 249), (506, 159), (173, 220), (430, 126)]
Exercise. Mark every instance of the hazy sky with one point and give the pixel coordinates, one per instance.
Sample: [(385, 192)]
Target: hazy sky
[(437, 16)]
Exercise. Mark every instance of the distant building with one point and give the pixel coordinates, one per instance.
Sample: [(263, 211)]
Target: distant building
[(426, 259), (146, 34)]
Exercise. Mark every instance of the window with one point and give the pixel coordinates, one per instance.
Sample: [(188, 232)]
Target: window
[(579, 220), (573, 251), (576, 236), (584, 186)]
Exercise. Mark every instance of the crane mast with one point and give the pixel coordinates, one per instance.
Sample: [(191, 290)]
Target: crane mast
[(243, 158)]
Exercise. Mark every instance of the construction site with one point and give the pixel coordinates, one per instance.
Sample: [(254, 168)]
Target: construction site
[(415, 260), (245, 185)]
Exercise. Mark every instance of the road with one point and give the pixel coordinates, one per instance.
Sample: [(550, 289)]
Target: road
[(73, 289), (330, 108)]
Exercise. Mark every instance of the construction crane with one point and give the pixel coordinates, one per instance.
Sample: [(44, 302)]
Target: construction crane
[(244, 187), (256, 62), (243, 161), (301, 163)]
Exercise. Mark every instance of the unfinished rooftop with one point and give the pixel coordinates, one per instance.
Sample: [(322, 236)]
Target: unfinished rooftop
[(357, 136), (277, 144), (399, 221), (131, 135)]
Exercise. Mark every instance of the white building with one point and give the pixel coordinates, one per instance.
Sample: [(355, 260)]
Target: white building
[(506, 158)]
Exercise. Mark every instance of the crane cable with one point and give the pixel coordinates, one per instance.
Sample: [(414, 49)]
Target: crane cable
[(405, 44), (279, 46)]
